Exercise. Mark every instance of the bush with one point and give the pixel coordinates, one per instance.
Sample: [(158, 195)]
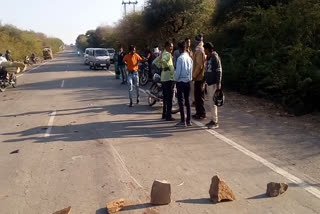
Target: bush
[(279, 56), (24, 43)]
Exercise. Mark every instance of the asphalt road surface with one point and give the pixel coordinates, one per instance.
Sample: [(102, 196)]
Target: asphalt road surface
[(68, 138)]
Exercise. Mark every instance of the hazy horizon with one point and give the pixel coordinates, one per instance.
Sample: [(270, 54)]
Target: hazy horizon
[(69, 19)]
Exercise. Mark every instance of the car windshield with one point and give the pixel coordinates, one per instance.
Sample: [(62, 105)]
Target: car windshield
[(101, 53), (111, 51)]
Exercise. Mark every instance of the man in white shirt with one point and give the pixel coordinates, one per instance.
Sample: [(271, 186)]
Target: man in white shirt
[(2, 59), (183, 77), (3, 73)]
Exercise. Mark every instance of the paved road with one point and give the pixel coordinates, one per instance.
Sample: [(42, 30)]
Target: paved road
[(80, 145)]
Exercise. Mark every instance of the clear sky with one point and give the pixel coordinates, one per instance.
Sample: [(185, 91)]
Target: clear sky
[(65, 19)]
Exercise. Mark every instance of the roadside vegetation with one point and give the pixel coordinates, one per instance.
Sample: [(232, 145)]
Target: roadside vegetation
[(24, 43), (268, 48)]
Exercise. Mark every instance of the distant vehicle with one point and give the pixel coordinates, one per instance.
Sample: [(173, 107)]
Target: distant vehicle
[(85, 56), (111, 52), (99, 58), (47, 53)]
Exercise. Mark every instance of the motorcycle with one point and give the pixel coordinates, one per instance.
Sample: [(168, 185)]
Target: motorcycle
[(143, 73), (155, 93), (6, 80)]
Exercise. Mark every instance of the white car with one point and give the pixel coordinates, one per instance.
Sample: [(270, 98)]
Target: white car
[(85, 56), (98, 58)]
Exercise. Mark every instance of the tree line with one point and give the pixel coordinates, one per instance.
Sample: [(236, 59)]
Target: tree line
[(269, 48), (23, 43)]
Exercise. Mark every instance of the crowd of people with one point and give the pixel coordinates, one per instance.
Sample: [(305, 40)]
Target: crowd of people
[(189, 70)]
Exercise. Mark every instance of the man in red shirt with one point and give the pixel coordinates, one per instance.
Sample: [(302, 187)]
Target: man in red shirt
[(131, 60)]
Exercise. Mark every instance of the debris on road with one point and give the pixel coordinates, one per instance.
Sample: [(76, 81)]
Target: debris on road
[(161, 193), (14, 152), (116, 205), (275, 189), (64, 211), (220, 191)]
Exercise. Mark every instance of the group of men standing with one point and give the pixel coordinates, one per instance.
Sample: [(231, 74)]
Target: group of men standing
[(189, 70)]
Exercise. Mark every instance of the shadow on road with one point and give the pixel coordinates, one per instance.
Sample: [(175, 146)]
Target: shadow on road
[(196, 201), (101, 130), (260, 196)]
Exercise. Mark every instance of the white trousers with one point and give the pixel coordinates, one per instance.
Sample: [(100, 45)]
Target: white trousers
[(214, 109)]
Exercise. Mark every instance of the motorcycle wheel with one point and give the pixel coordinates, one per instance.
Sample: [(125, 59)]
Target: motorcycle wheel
[(153, 90), (151, 101), (175, 103), (2, 88), (143, 78), (14, 78)]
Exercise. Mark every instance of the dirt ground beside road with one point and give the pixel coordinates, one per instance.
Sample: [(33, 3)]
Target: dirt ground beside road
[(264, 108)]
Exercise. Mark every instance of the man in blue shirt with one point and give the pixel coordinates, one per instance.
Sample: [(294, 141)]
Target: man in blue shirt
[(183, 77)]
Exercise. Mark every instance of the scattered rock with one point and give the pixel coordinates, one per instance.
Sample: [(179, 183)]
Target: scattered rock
[(64, 211), (160, 193), (220, 191), (276, 189), (62, 170), (116, 205), (14, 152)]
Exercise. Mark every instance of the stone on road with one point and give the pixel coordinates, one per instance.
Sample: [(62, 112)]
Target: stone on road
[(220, 191), (276, 189), (64, 211), (160, 192)]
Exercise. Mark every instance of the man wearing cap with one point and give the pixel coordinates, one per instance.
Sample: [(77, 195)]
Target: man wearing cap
[(213, 76), (199, 59)]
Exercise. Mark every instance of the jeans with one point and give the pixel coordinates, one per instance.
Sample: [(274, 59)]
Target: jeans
[(167, 99), (199, 97), (214, 109), (122, 69), (133, 81), (183, 91)]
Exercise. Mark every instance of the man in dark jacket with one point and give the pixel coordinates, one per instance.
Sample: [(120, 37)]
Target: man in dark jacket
[(122, 65), (213, 76), (8, 56)]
